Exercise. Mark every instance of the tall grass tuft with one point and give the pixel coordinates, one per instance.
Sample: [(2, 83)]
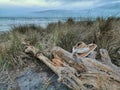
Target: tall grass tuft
[(103, 32)]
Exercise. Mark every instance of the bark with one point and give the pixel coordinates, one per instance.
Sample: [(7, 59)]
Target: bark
[(88, 74)]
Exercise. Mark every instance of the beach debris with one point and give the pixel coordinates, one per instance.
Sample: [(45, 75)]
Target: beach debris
[(88, 75)]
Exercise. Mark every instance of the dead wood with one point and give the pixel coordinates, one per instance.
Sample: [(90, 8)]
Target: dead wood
[(88, 74), (92, 55), (105, 58)]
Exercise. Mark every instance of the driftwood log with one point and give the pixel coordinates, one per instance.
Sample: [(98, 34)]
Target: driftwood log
[(88, 74)]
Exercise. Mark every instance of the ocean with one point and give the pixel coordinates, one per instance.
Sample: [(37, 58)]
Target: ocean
[(6, 23), (43, 18)]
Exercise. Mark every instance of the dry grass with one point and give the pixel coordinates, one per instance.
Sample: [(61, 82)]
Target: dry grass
[(104, 32), (11, 49)]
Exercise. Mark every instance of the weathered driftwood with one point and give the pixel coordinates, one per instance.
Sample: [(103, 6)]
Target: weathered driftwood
[(105, 58), (92, 55), (68, 58), (88, 74)]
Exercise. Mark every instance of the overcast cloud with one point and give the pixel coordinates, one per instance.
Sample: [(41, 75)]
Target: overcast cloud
[(60, 4)]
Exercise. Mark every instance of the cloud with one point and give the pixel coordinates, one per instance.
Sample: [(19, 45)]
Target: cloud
[(60, 4), (82, 4), (108, 2), (75, 3), (42, 3)]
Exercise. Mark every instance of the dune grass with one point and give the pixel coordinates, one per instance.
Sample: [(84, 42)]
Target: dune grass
[(103, 32)]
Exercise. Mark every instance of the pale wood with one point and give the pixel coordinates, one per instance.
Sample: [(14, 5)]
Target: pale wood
[(105, 58), (93, 75), (83, 50), (68, 58), (92, 55), (62, 72)]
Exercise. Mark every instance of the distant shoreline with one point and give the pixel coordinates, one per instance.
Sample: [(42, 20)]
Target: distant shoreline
[(7, 22)]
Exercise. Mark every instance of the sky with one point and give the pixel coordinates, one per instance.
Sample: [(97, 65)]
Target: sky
[(25, 7), (57, 4)]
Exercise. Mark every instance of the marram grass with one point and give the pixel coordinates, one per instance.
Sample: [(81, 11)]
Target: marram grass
[(103, 32)]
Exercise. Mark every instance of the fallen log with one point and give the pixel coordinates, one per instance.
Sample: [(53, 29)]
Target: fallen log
[(88, 74)]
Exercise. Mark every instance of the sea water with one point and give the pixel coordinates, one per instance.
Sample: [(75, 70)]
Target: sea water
[(43, 18), (6, 23)]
